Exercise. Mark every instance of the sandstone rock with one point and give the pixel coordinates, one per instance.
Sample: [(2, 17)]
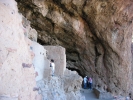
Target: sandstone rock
[(71, 95), (28, 31), (7, 98), (16, 82), (72, 84), (38, 97), (51, 89), (54, 89), (72, 81), (96, 35)]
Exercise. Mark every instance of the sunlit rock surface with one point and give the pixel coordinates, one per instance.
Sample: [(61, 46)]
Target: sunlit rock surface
[(17, 75), (95, 33)]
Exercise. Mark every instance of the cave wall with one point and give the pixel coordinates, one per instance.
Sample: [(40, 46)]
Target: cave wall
[(96, 35)]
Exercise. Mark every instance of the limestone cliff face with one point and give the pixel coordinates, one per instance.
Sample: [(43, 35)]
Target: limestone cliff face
[(96, 35)]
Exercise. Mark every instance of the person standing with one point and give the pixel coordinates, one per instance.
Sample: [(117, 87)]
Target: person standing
[(53, 66), (85, 82), (90, 83)]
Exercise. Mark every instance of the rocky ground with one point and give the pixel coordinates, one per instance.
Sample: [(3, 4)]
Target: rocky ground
[(61, 88), (89, 95)]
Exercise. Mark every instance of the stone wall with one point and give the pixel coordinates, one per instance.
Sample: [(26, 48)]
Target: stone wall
[(17, 75), (40, 62), (58, 54), (65, 84)]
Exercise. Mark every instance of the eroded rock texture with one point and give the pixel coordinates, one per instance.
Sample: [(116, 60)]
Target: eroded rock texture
[(56, 88), (17, 75), (95, 33)]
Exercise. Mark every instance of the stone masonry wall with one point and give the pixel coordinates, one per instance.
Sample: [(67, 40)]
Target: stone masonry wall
[(65, 85), (17, 75), (58, 54), (40, 62)]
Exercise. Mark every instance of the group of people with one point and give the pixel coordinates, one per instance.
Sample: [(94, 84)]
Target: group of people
[(87, 82)]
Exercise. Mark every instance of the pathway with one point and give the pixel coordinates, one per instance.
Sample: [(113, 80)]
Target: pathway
[(89, 95)]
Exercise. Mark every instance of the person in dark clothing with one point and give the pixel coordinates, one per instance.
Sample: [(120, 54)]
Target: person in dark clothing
[(90, 83)]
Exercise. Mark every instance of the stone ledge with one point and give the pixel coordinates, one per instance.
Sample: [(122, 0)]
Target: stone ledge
[(101, 94)]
